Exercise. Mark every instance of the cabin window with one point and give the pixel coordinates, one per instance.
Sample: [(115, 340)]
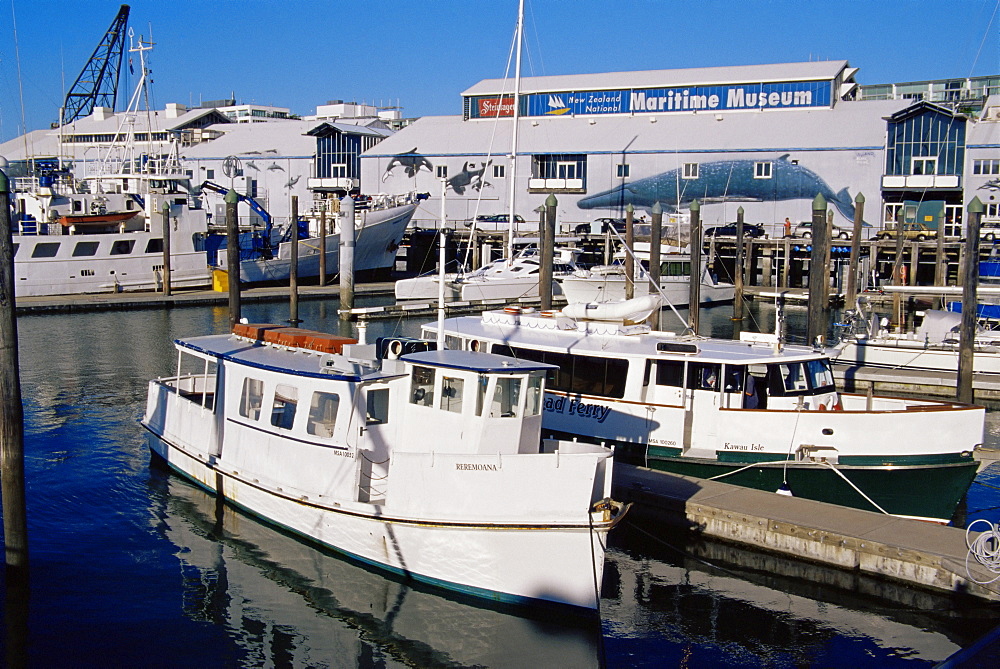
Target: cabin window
[(733, 378), (122, 247), (506, 394), (377, 406), (533, 400), (286, 399), (323, 414), (451, 394), (820, 375), (453, 343), (154, 246), (45, 250), (129, 205), (85, 249), (703, 376), (577, 373), (252, 399), (77, 205), (675, 268), (670, 373), (481, 393), (422, 386)]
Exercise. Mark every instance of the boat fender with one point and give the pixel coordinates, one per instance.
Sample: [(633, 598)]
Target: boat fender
[(475, 345)]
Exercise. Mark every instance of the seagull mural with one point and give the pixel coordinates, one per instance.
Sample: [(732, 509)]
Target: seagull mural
[(411, 162), (469, 178), (723, 180)]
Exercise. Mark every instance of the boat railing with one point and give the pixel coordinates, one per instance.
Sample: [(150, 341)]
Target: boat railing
[(196, 388)]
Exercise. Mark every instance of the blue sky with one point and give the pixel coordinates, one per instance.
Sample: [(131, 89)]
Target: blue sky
[(424, 53)]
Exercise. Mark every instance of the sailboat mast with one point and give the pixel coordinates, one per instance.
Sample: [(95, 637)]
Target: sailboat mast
[(513, 141)]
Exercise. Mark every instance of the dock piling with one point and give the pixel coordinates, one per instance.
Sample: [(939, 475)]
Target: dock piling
[(852, 272), (629, 259), (15, 516), (819, 276), (548, 235), (970, 309), (738, 276), (655, 233), (166, 248), (694, 243), (346, 272), (293, 267), (233, 258)]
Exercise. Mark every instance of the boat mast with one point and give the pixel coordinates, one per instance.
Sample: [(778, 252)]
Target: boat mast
[(513, 141)]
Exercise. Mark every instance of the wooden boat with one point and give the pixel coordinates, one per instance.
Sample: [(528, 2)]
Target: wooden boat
[(751, 412), (429, 464)]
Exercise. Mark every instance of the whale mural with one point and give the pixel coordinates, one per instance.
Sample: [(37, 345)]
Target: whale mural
[(411, 162), (723, 180)]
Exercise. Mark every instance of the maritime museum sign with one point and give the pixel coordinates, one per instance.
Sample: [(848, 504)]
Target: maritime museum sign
[(638, 100)]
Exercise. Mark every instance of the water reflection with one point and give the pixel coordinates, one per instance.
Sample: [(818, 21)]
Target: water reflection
[(286, 603)]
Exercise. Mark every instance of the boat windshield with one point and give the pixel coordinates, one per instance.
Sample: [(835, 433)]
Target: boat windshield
[(811, 377)]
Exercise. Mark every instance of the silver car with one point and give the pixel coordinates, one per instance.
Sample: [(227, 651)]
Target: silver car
[(804, 230)]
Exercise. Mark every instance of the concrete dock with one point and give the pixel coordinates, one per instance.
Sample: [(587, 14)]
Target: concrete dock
[(915, 552)]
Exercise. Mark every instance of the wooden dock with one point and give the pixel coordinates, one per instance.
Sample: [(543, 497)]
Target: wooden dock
[(919, 553)]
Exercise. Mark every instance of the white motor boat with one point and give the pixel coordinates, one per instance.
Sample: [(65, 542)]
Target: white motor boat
[(501, 279), (752, 412), (427, 463), (607, 283), (932, 346)]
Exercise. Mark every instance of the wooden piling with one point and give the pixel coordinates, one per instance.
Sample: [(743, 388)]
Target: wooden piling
[(852, 271), (12, 490), (655, 233), (738, 276), (819, 281), (293, 266), (233, 257), (166, 248), (969, 303), (347, 246), (694, 243), (548, 235), (629, 259), (322, 244)]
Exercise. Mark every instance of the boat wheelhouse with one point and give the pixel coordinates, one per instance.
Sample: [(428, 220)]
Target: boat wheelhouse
[(747, 412), (429, 464)]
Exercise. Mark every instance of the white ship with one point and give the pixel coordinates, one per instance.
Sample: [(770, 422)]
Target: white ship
[(430, 465)]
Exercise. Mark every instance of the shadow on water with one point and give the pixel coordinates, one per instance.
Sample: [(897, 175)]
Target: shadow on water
[(286, 602)]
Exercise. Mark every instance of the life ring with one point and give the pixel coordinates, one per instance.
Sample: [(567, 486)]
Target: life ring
[(512, 310), (548, 313), (904, 275)]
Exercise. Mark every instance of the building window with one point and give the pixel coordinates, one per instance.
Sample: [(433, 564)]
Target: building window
[(623, 170), (992, 211), (892, 210), (991, 166), (762, 170), (442, 171), (210, 174), (691, 170), (499, 171), (559, 171), (924, 165)]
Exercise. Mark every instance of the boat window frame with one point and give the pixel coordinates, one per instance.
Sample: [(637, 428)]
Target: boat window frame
[(81, 247), (246, 407), (288, 396), (42, 250), (321, 415), (452, 393)]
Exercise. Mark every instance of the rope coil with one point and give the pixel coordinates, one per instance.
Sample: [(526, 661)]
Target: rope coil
[(985, 548)]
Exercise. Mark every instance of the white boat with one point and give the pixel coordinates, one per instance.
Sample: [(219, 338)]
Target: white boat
[(500, 279), (749, 412), (931, 346), (606, 283), (429, 464), (104, 232), (378, 232)]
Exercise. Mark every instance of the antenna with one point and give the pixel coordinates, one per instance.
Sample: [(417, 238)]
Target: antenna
[(97, 84)]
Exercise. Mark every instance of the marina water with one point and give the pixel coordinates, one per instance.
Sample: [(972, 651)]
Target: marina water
[(133, 566)]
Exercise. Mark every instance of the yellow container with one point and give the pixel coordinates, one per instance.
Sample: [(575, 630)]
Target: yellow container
[(220, 280)]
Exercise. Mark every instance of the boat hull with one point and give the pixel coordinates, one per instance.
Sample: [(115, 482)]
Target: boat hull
[(377, 240), (612, 289), (929, 492), (914, 355), (525, 563)]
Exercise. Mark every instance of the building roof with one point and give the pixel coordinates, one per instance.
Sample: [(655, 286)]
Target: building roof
[(848, 125), (704, 76)]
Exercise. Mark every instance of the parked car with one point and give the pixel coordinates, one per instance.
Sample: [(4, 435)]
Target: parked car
[(495, 221), (601, 225), (989, 231), (804, 230), (911, 231), (729, 230)]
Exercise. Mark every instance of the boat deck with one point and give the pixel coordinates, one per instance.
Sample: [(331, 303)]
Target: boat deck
[(920, 553)]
